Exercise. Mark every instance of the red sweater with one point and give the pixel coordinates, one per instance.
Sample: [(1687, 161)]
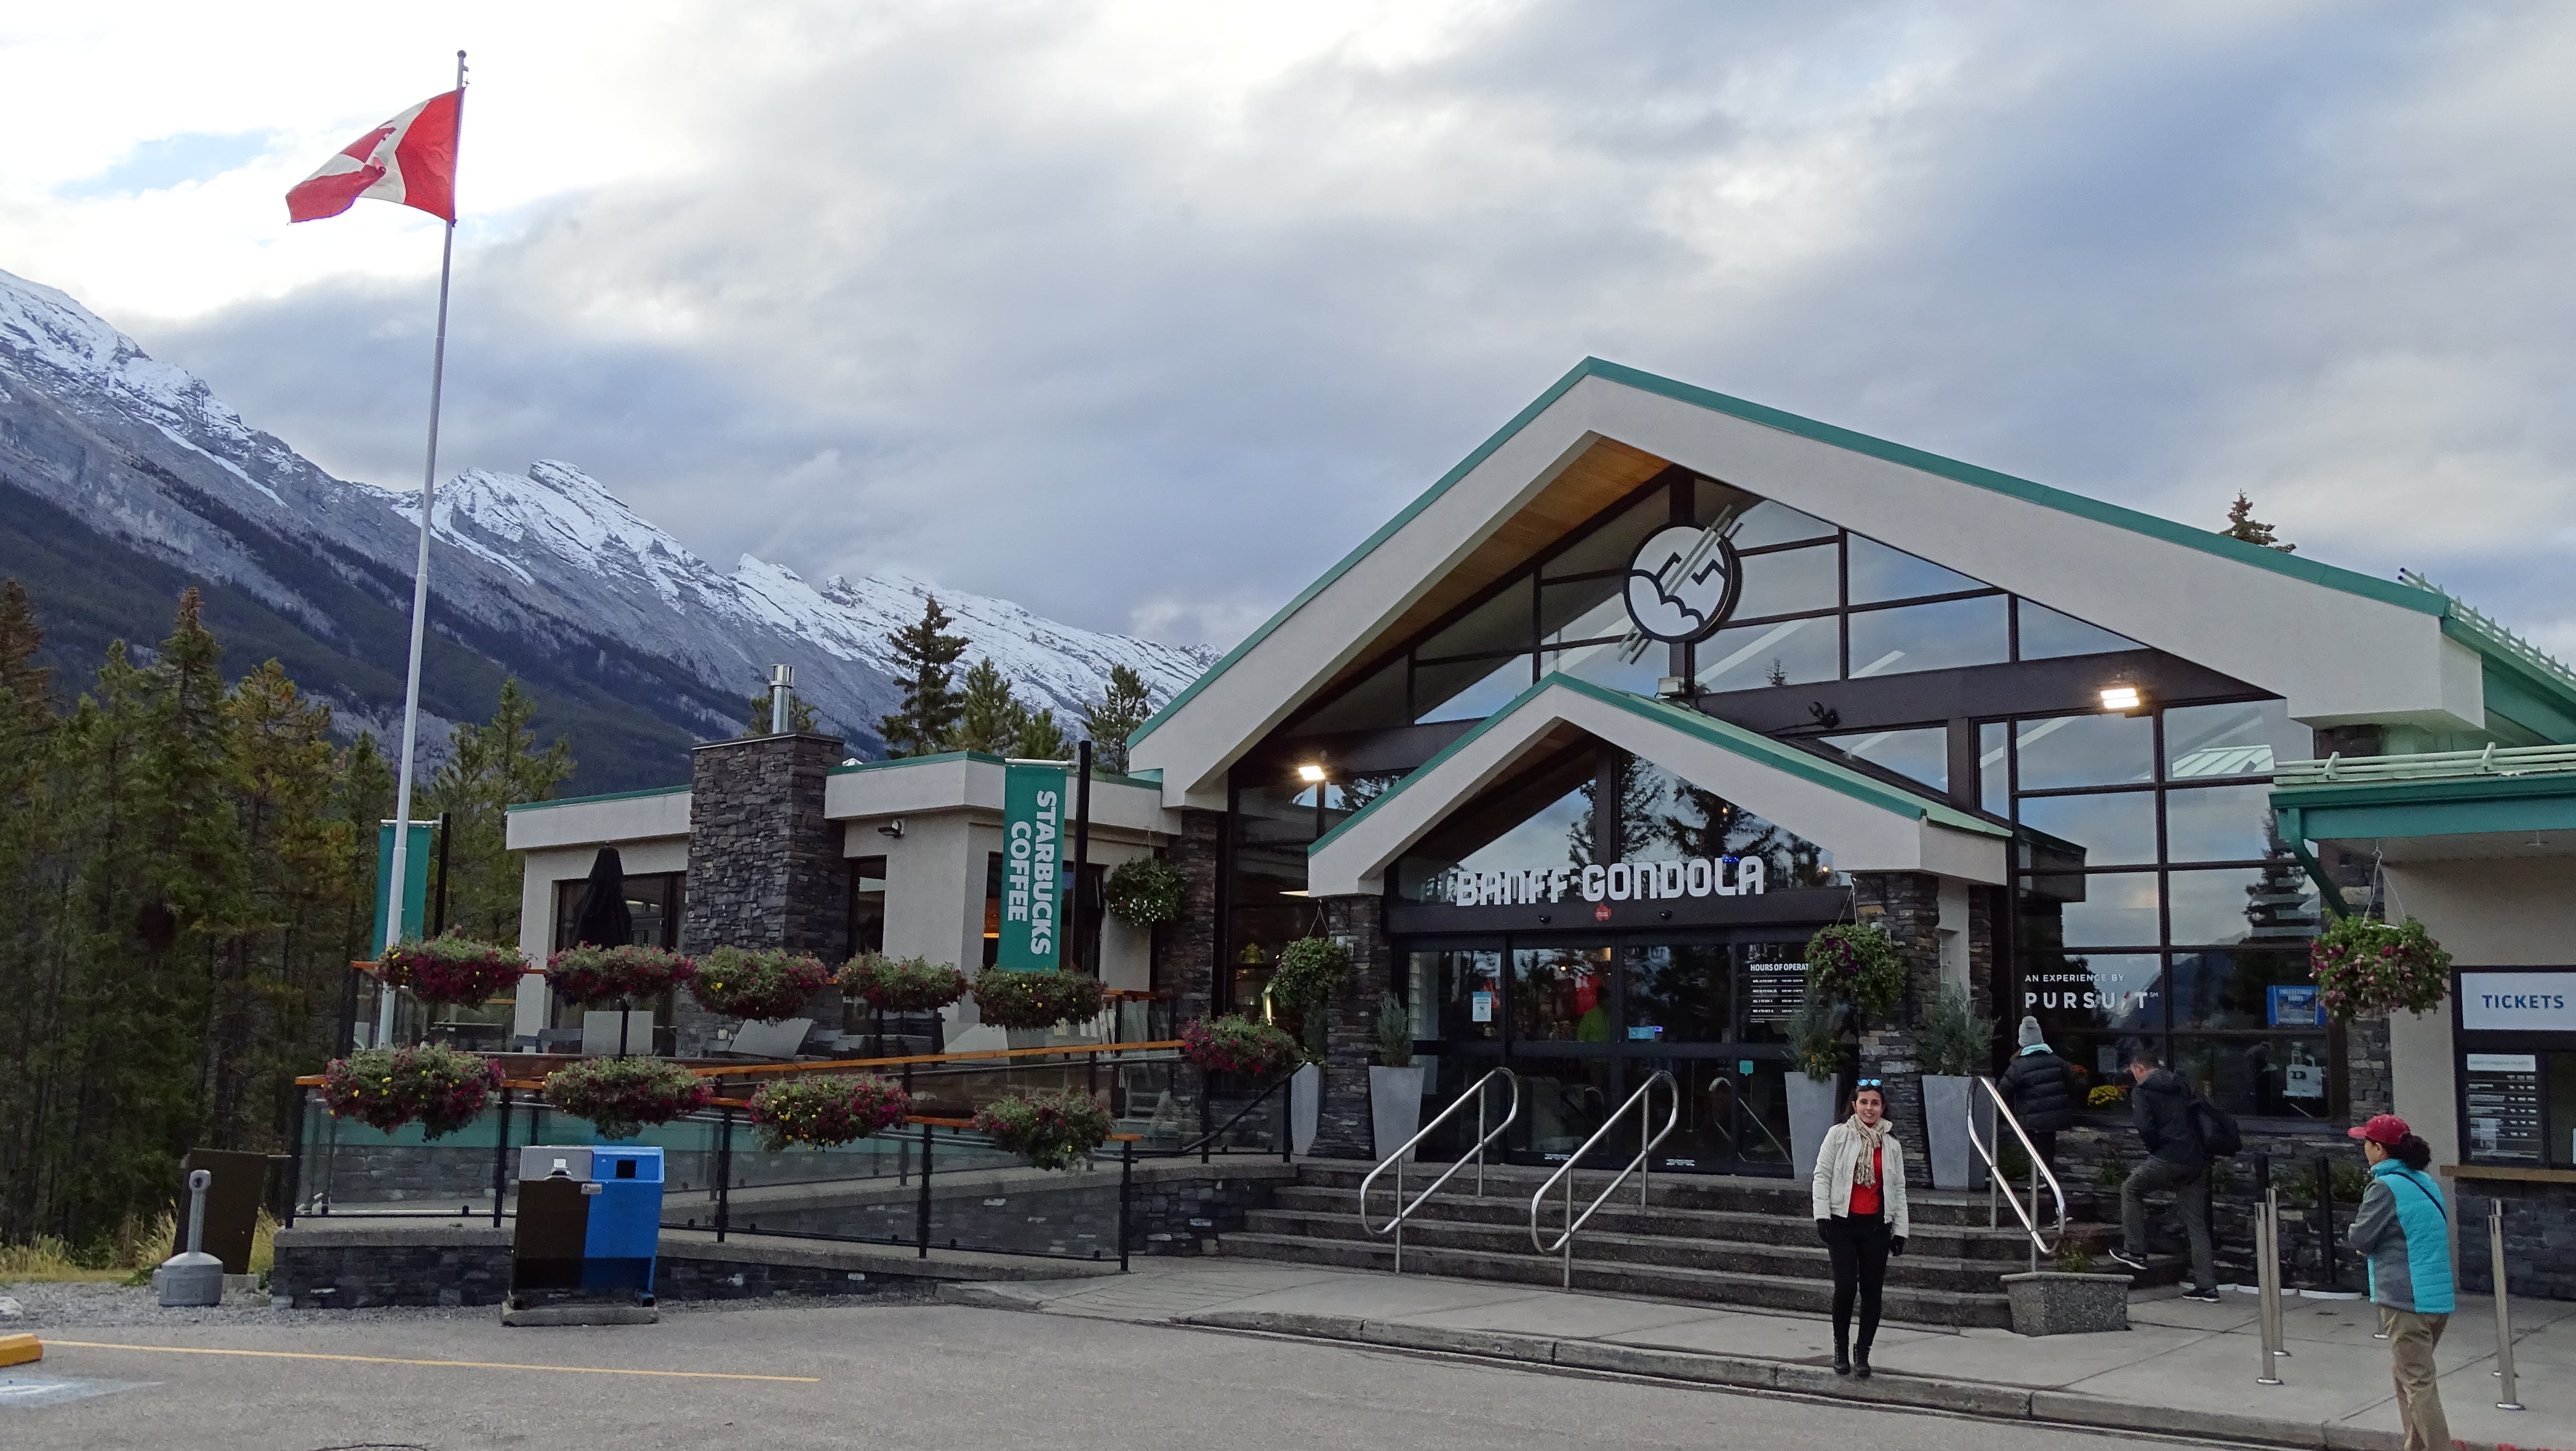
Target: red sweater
[(1865, 1198)]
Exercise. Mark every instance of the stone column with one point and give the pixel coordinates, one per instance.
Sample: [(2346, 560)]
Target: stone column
[(765, 866), (1358, 922), (1907, 906), (1190, 941)]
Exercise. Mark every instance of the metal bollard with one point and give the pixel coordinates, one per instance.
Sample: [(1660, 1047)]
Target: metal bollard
[(2267, 1279), (2506, 1394)]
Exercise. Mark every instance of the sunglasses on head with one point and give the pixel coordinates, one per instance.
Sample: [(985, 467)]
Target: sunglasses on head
[(1867, 1083)]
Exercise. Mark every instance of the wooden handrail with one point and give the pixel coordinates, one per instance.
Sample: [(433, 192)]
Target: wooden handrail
[(844, 1065)]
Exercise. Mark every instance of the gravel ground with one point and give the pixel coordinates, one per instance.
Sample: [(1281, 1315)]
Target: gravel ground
[(49, 1306)]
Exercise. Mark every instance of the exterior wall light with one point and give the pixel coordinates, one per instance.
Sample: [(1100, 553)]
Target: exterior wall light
[(1311, 773), (2122, 698)]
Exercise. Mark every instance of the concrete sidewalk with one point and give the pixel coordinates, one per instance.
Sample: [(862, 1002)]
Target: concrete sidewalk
[(2182, 1368)]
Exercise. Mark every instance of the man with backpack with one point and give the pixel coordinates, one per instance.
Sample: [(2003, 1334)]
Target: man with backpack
[(2171, 1120)]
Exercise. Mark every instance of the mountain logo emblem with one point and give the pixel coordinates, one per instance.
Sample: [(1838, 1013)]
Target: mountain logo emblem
[(1682, 583)]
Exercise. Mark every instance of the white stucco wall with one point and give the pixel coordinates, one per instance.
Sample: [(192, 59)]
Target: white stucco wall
[(541, 871)]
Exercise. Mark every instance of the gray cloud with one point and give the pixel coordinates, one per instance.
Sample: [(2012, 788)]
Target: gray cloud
[(942, 300)]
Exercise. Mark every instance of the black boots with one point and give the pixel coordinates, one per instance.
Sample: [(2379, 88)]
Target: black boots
[(1843, 1360), (1860, 1362)]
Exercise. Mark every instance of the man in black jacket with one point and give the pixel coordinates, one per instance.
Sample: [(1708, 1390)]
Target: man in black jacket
[(2160, 1105), (2039, 1088)]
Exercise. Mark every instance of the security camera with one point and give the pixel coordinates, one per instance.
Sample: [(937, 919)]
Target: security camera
[(892, 828)]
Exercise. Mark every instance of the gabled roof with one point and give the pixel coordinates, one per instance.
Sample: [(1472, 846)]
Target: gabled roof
[(1868, 824), (2341, 646)]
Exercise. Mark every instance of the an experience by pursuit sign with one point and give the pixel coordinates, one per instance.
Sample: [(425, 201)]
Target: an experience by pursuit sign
[(1033, 798), (1616, 882)]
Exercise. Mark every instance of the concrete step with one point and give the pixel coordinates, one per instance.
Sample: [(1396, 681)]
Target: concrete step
[(1782, 1197), (1791, 1261), (1917, 1304)]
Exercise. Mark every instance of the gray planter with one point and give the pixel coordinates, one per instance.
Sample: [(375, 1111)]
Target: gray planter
[(2054, 1302), (1945, 1132), (1811, 1112), (1305, 1107), (1395, 1106)]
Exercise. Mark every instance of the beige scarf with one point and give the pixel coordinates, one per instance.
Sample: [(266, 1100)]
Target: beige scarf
[(1865, 1173)]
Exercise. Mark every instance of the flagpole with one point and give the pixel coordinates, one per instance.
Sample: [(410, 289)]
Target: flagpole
[(419, 601)]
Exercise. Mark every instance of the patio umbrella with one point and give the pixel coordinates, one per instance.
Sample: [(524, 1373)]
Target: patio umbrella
[(602, 920)]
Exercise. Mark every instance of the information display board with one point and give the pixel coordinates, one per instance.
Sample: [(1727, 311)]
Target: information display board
[(2503, 1103), (1776, 991)]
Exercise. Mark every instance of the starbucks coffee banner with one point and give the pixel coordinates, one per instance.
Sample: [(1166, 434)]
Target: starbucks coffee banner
[(1033, 799)]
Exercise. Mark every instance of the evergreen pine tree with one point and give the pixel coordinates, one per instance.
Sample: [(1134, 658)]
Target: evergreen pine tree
[(489, 769), (930, 703), (2241, 524), (1114, 717), (990, 717), (1041, 739), (801, 718)]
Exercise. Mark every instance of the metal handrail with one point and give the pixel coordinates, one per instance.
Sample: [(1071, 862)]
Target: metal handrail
[(2039, 1245), (1484, 1140), (1645, 1176)]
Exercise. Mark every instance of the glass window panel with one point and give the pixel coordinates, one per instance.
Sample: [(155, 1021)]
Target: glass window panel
[(2230, 987), (1611, 545), (1457, 995), (1586, 609), (1680, 994), (2083, 750), (867, 905), (2113, 829), (2219, 824), (1609, 664), (1773, 523), (2274, 903), (1928, 637), (1374, 703), (1467, 689), (2243, 739), (1664, 817), (1749, 657), (1880, 573), (1558, 834), (2099, 909), (2089, 995), (1561, 994), (1270, 812), (1790, 582), (1714, 503), (1499, 624), (2047, 635), (2258, 1077), (1994, 778), (1344, 799), (1919, 755)]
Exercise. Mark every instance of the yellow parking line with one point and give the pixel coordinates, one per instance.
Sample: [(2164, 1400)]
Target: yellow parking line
[(462, 1364)]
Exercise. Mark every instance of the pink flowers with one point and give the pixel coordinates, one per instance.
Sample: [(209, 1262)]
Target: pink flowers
[(1050, 1130), (620, 1096), (592, 976), (902, 984), (765, 985), (441, 1089), (2365, 968), (450, 969), (820, 1111), (1237, 1044)]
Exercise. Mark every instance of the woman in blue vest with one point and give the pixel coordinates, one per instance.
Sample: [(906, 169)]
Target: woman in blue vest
[(2403, 1229)]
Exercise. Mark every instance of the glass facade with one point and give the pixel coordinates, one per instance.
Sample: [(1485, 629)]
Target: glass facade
[(2153, 902)]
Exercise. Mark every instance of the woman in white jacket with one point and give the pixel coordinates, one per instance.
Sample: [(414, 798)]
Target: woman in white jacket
[(1859, 1195)]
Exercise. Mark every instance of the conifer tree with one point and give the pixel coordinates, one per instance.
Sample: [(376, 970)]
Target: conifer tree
[(1115, 716), (990, 717), (1041, 739), (2241, 524), (801, 718), (930, 702), (489, 769)]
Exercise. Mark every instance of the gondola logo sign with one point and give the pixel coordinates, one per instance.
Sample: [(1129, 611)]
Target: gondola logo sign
[(1032, 887), (1682, 583)]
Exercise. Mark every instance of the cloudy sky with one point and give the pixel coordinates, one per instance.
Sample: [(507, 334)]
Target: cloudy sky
[(1142, 313)]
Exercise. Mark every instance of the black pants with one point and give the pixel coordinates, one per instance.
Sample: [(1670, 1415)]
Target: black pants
[(1858, 1244)]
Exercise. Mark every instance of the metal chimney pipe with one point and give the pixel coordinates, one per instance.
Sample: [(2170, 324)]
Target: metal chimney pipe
[(782, 684)]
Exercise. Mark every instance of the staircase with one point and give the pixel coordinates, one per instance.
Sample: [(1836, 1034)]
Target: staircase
[(1700, 1238)]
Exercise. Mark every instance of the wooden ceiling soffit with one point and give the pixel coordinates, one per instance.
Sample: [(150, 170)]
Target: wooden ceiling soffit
[(1602, 475)]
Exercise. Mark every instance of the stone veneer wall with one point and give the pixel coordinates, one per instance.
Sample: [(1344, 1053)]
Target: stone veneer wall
[(765, 865), (1358, 922), (2539, 1236), (1189, 943), (1907, 906)]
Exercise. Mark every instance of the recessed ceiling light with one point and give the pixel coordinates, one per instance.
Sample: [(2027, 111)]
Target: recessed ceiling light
[(1310, 772)]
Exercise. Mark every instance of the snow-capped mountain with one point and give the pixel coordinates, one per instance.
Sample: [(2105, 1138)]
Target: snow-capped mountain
[(123, 478)]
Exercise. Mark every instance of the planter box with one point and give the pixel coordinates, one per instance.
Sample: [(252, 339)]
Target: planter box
[(1945, 1131), (2054, 1302), (1305, 1107), (1395, 1106), (1811, 1113)]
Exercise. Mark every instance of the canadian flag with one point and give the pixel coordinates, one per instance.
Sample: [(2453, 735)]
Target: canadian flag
[(410, 160)]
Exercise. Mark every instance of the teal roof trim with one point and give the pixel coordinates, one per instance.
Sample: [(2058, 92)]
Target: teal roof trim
[(2207, 541), (1105, 778), (607, 796), (1751, 745)]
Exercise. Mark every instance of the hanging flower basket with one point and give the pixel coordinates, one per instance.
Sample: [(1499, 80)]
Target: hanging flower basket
[(1854, 964), (621, 1095), (1145, 892), (2365, 969), (1310, 971), (1237, 1044), (764, 985), (451, 969), (1030, 1000), (591, 977), (901, 984), (819, 1112), (441, 1089), (1050, 1130)]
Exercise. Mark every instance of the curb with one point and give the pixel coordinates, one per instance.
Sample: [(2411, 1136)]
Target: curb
[(1887, 1388)]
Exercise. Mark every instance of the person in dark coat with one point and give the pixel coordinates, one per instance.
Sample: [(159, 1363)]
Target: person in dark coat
[(2039, 1088), (2177, 1160)]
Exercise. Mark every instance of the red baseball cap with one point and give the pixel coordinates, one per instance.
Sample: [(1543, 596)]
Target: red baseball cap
[(2383, 1129)]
